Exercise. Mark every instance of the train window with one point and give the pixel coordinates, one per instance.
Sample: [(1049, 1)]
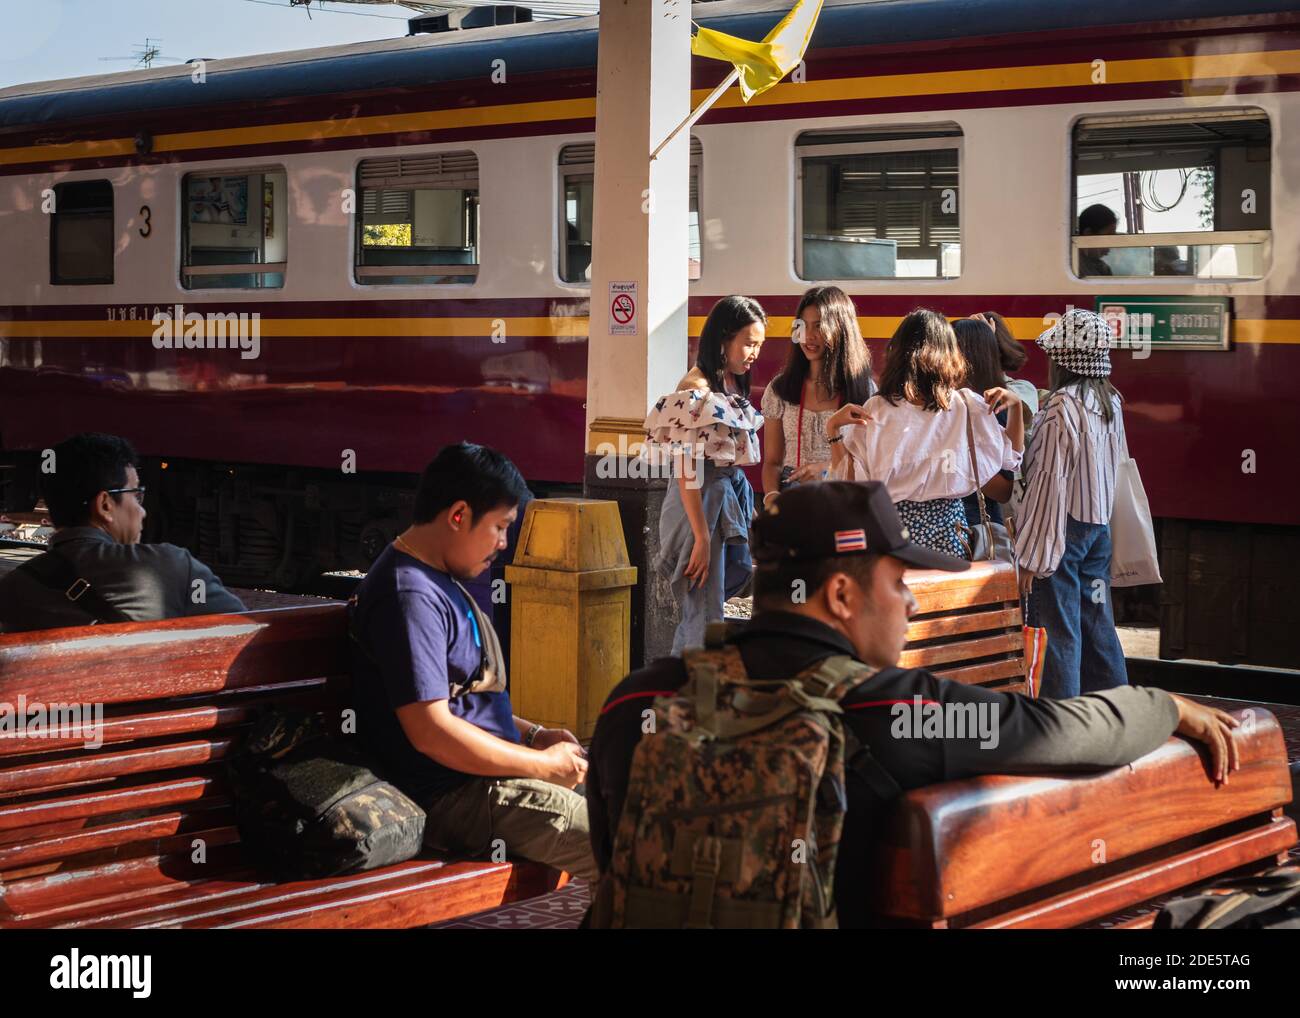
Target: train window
[(880, 204), (577, 169), (81, 233), (233, 229), (418, 220), (1172, 195)]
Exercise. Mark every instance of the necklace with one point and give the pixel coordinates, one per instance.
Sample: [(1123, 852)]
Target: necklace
[(398, 542), (820, 386)]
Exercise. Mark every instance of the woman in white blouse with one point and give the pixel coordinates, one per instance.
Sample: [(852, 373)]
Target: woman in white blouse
[(828, 366), (1063, 525), (918, 434)]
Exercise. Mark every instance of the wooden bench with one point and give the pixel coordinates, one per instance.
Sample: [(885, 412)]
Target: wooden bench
[(140, 832), (968, 626), (1054, 851)]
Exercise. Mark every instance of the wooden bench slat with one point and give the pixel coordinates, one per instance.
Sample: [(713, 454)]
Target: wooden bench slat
[(964, 650), (984, 673), (920, 629), (99, 803), (152, 660), (101, 836), (126, 725), (55, 897), (991, 674), (46, 775), (412, 900), (982, 584)]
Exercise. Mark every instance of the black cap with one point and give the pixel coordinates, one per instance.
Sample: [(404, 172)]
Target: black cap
[(822, 520)]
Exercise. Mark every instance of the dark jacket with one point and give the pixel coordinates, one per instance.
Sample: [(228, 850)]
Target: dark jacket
[(145, 581), (1092, 732)]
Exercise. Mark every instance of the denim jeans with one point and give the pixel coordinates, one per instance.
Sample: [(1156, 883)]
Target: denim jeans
[(728, 503), (1073, 604)]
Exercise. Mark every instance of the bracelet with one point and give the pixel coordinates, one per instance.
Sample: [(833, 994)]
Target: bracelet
[(837, 438), (531, 735)]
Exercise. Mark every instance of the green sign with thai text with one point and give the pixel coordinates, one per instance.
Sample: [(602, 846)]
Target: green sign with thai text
[(1167, 323)]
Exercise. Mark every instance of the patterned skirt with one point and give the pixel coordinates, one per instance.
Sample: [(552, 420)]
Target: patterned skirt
[(939, 524)]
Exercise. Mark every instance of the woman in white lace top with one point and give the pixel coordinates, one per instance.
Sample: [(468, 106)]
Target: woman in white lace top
[(828, 366)]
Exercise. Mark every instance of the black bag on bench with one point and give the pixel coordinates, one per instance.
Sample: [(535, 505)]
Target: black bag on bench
[(1267, 901), (308, 806)]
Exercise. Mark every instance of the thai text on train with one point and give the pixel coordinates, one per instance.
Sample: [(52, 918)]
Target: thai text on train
[(191, 330)]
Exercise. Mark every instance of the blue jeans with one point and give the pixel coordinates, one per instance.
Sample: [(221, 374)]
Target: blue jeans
[(1073, 605)]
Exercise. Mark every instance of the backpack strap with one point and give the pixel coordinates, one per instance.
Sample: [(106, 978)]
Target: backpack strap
[(840, 675), (716, 634), (830, 680), (56, 572)]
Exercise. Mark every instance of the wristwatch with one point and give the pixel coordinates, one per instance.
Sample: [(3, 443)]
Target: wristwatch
[(531, 735)]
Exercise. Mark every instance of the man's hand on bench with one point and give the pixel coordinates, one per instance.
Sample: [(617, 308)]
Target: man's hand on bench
[(1214, 728)]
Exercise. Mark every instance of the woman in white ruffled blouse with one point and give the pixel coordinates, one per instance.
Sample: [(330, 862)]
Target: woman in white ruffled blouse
[(709, 430), (917, 434)]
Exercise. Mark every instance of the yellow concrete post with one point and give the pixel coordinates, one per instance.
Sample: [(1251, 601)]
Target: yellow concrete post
[(570, 612)]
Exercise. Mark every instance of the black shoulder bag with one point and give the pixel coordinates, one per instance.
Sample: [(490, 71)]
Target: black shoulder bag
[(58, 573)]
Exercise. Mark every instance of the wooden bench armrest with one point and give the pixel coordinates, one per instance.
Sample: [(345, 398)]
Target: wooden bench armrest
[(955, 847)]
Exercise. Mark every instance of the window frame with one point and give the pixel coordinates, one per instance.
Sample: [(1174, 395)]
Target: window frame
[(587, 171), (112, 222), (928, 139), (373, 275), (234, 268), (1191, 238)]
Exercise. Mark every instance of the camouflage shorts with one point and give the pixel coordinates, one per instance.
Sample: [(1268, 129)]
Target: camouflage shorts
[(501, 818)]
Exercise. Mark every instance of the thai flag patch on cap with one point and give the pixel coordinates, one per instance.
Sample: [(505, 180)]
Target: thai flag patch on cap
[(850, 540)]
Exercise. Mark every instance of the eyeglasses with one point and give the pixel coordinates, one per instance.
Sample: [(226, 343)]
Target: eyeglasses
[(137, 492)]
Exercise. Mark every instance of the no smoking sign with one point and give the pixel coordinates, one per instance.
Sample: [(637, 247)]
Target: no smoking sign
[(623, 300)]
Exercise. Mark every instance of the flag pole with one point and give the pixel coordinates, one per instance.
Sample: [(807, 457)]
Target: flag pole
[(699, 111)]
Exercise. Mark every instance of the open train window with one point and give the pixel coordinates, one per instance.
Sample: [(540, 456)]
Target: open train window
[(1172, 195), (418, 219), (233, 226), (879, 204), (81, 233), (577, 171)]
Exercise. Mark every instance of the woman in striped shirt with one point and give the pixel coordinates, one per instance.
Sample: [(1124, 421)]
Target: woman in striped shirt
[(1063, 524)]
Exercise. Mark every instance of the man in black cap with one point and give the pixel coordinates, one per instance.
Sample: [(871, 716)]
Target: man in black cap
[(828, 579)]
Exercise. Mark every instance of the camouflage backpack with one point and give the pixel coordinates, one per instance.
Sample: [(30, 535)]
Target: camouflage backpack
[(307, 804), (735, 806)]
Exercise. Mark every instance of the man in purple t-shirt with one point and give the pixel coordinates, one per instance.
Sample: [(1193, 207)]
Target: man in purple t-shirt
[(429, 683)]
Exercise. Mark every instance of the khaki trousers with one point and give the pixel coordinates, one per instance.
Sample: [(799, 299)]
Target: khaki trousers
[(505, 818)]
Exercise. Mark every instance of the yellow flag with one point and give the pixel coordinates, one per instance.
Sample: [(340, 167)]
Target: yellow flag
[(762, 64)]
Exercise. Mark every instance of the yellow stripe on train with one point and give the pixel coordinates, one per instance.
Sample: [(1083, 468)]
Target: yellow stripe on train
[(1245, 330)]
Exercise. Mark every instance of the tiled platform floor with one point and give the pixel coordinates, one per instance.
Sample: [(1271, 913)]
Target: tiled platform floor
[(563, 909), (559, 910)]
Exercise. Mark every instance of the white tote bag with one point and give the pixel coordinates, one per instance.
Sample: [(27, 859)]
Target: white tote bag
[(1133, 559)]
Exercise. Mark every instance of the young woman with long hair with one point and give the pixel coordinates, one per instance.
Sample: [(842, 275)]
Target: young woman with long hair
[(828, 366), (913, 434), (709, 430), (979, 348)]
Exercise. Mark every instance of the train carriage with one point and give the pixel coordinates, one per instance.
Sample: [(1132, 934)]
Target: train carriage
[(404, 227)]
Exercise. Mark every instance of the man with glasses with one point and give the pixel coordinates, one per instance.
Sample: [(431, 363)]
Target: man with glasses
[(96, 569)]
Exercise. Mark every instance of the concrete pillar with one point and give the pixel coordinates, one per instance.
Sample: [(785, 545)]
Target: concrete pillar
[(643, 77)]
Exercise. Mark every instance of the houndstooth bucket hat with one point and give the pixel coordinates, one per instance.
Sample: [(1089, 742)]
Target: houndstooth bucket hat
[(1080, 341)]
